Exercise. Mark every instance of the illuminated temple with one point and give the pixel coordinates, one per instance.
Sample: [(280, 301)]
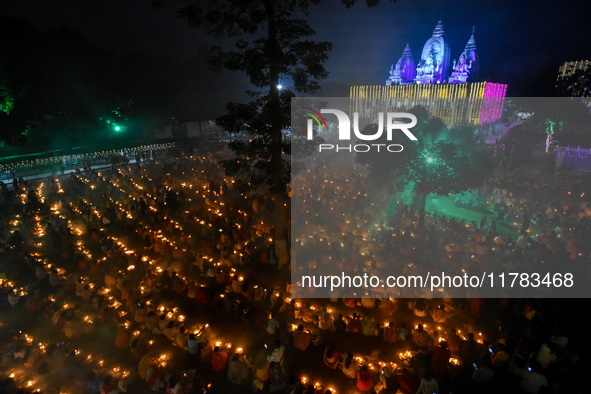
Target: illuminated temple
[(448, 88)]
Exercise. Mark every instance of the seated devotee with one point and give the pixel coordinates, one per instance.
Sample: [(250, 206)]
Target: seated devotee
[(382, 382), (365, 380), (340, 324), (439, 314), (350, 302), (122, 338), (54, 279), (454, 341), (108, 387), (272, 325), (354, 324), (288, 308), (145, 362), (173, 386), (440, 360), (546, 357), (350, 366), (193, 343), (418, 307), (205, 351), (470, 349), (402, 332), (308, 314), (387, 306), (181, 338), (170, 330), (421, 338), (501, 357), (178, 284), (390, 334), (406, 382), (368, 303), (483, 372), (325, 320), (202, 297), (140, 314), (219, 359), (559, 340), (259, 293), (192, 289), (532, 381), (162, 322), (154, 378), (428, 384), (276, 356), (151, 320), (331, 357), (368, 326), (73, 328), (238, 369), (301, 338), (261, 370)]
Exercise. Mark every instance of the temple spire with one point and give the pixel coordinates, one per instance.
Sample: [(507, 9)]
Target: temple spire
[(471, 44), (435, 58), (467, 66), (406, 51), (438, 31), (403, 73)]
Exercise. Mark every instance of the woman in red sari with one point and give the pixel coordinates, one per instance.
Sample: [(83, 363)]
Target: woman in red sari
[(365, 380)]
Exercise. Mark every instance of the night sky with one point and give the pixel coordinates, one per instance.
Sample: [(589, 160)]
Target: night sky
[(520, 43)]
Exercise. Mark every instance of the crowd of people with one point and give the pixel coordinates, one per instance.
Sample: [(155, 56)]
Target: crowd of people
[(512, 226), (158, 276)]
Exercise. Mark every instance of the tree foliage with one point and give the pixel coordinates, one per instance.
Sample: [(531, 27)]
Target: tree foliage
[(271, 43), (59, 90), (443, 160), (577, 84)]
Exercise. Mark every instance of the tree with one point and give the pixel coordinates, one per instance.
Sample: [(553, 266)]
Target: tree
[(271, 44), (58, 90), (577, 84), (442, 161)]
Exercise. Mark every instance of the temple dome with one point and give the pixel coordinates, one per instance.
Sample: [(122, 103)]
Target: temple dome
[(435, 58), (403, 73), (467, 66), (472, 55)]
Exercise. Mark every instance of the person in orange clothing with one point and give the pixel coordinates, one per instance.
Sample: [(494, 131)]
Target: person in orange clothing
[(122, 338), (219, 359), (154, 378), (440, 360), (390, 333), (354, 324), (406, 382), (301, 338), (365, 380)]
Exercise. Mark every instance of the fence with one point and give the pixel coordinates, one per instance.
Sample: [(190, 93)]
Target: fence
[(36, 168)]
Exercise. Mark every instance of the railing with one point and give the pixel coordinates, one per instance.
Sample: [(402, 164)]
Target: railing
[(37, 168)]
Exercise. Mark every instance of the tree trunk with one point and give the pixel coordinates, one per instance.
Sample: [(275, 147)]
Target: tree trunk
[(281, 241), (418, 202), (279, 188)]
